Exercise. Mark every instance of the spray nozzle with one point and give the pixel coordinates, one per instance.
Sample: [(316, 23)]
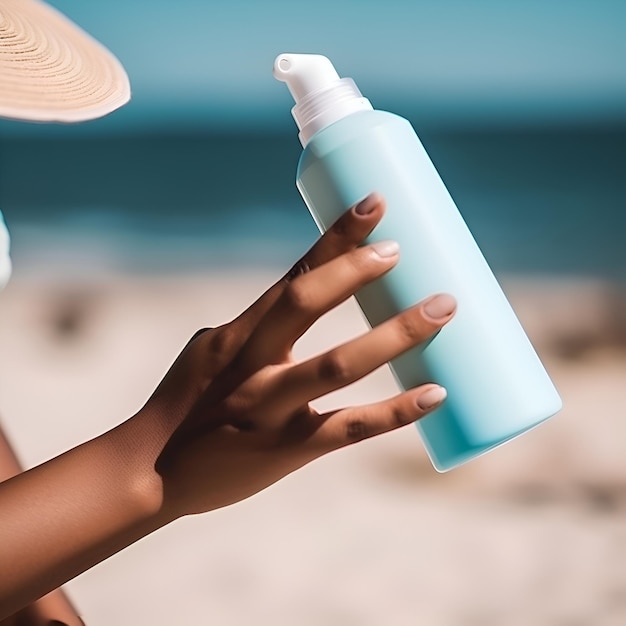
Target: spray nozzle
[(321, 96), (304, 73)]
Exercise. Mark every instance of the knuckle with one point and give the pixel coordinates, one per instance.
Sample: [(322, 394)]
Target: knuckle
[(341, 227), (409, 328), (357, 429), (297, 297), (334, 367), (222, 348), (400, 416), (301, 267), (201, 337), (222, 341), (199, 333)]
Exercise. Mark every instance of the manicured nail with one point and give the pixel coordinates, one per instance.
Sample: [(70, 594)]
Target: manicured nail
[(431, 398), (440, 306), (366, 206), (386, 248)]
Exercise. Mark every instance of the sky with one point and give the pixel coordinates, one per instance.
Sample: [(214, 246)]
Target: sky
[(450, 61)]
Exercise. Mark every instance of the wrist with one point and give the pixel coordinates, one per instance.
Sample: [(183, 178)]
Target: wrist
[(137, 443)]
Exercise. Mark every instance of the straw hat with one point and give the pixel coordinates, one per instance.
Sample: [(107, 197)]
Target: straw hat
[(51, 70)]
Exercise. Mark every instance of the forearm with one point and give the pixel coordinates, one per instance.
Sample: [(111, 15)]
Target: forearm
[(55, 606), (61, 518)]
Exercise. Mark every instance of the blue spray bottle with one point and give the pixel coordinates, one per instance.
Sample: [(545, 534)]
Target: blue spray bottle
[(497, 386)]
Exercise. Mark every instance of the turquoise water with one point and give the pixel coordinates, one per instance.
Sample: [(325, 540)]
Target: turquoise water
[(538, 200)]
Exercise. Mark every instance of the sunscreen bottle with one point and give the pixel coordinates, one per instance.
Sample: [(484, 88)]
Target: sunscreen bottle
[(497, 386)]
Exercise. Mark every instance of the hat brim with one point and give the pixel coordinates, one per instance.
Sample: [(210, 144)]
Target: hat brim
[(53, 71)]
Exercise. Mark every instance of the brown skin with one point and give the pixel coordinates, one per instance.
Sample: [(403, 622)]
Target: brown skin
[(55, 607), (231, 417)]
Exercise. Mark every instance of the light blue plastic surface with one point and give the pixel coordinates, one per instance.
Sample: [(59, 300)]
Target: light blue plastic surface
[(497, 386)]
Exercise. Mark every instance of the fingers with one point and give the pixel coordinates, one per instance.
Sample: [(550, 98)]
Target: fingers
[(351, 361), (344, 235), (304, 300), (350, 425)]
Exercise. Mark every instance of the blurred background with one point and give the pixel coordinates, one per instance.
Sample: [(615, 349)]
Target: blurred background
[(175, 212)]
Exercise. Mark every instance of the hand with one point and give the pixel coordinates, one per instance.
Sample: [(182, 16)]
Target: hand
[(236, 402), (231, 417)]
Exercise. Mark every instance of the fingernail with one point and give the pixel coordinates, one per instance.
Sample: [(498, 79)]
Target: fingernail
[(386, 248), (440, 306), (431, 398), (366, 206)]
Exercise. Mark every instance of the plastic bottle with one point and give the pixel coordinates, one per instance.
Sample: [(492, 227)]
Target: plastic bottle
[(497, 386), (5, 261)]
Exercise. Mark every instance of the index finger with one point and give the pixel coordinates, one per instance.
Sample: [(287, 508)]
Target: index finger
[(344, 235)]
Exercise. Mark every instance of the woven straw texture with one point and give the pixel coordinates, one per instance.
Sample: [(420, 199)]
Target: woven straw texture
[(51, 70)]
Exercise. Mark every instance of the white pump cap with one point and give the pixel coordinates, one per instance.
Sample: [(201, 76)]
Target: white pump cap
[(321, 96)]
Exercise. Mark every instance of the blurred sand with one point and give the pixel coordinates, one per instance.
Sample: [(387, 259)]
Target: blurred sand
[(532, 533)]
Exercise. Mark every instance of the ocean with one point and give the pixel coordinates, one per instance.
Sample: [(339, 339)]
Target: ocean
[(539, 200)]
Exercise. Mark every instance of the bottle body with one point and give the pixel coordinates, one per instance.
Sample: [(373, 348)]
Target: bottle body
[(497, 386)]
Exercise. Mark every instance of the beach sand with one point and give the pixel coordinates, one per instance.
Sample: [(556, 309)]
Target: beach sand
[(531, 533)]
